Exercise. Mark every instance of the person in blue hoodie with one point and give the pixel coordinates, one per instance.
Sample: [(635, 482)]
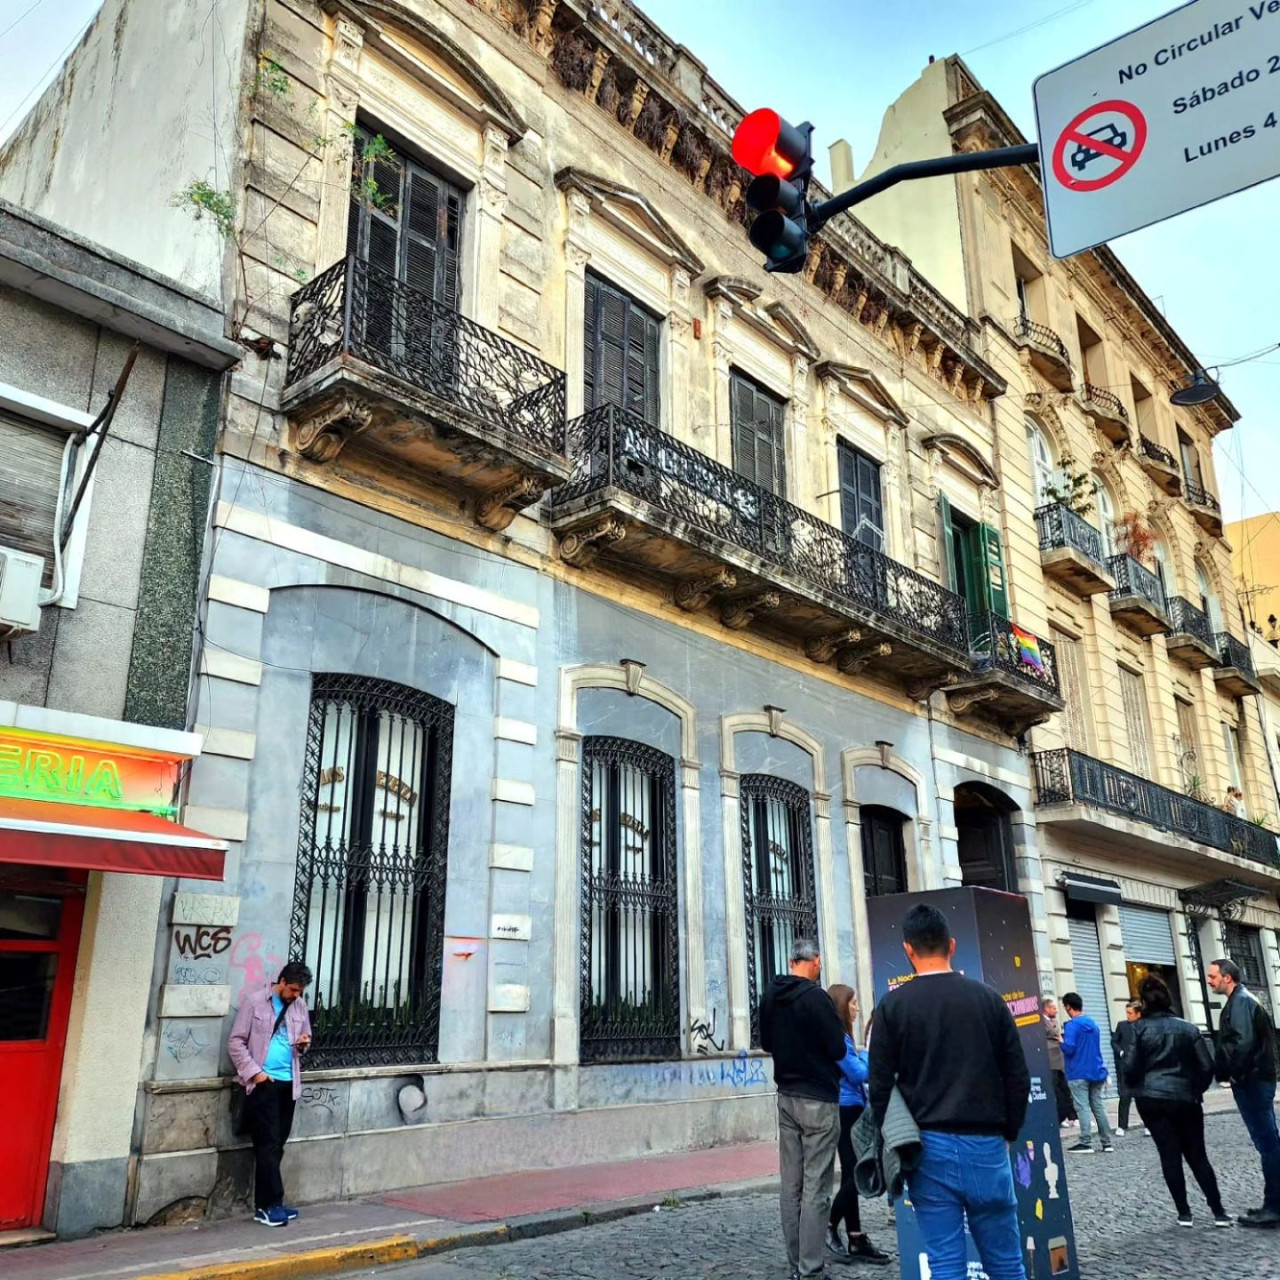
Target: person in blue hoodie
[(853, 1100), (1086, 1073)]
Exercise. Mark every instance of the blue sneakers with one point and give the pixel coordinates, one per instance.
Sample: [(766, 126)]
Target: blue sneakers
[(276, 1217), (289, 1211)]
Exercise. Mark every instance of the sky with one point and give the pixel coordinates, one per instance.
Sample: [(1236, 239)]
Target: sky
[(1214, 271)]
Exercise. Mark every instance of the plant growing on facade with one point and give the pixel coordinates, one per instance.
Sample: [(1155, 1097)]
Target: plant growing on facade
[(1136, 537), (204, 200), (1072, 488)]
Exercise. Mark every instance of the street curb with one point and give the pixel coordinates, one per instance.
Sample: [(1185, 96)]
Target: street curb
[(404, 1248)]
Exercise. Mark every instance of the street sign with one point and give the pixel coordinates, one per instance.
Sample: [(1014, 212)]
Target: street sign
[(1171, 116)]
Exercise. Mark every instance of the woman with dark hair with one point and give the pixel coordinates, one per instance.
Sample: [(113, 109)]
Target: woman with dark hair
[(853, 1100), (1167, 1070)]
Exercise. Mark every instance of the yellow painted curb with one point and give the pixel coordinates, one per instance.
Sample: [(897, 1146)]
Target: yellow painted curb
[(296, 1266)]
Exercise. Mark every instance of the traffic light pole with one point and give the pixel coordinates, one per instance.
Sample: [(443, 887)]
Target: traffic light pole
[(963, 162)]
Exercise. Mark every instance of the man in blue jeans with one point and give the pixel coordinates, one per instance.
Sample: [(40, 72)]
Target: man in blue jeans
[(1246, 1059), (1086, 1073), (950, 1046)]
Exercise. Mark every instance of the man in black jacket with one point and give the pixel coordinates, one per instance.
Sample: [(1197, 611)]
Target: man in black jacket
[(951, 1047), (1247, 1059), (799, 1026)]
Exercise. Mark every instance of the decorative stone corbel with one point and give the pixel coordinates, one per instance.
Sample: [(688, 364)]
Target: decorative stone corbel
[(824, 648), (813, 261), (839, 274), (775, 715), (962, 703), (581, 546), (632, 674), (852, 661), (693, 594), (597, 72), (738, 614), (498, 509), (923, 690), (544, 12), (912, 340), (635, 106), (323, 434)]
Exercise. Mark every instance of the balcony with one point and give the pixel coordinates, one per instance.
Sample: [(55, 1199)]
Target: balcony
[(1071, 550), (1205, 507), (397, 383), (1160, 465), (653, 506), (1176, 824), (1048, 352), (1015, 675), (1191, 639), (1108, 414), (1138, 598), (1234, 673)]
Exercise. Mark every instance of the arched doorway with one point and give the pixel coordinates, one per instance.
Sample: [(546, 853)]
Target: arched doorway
[(985, 837)]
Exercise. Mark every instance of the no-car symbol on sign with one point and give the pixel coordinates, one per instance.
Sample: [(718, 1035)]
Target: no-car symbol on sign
[(1099, 146)]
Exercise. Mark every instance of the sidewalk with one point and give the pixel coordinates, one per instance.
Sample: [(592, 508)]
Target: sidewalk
[(401, 1225)]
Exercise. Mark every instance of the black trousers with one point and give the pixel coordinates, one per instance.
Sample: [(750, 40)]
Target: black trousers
[(1178, 1130), (1062, 1096), (845, 1204), (268, 1113), (1126, 1101)]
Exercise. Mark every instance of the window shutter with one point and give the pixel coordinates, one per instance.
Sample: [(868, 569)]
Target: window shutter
[(742, 416), (992, 589), (948, 534), (771, 417), (612, 349), (1075, 690), (591, 337), (1133, 693), (847, 467), (420, 267), (30, 463), (642, 365), (870, 500)]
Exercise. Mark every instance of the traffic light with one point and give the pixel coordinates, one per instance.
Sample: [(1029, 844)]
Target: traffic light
[(780, 155)]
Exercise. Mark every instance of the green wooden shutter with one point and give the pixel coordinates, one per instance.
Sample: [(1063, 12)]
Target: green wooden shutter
[(742, 415), (759, 438), (994, 591), (642, 365), (591, 338), (948, 535)]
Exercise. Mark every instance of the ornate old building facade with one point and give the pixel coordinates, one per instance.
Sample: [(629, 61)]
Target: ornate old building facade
[(588, 613)]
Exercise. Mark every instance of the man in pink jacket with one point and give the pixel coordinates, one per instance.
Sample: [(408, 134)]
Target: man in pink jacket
[(272, 1030)]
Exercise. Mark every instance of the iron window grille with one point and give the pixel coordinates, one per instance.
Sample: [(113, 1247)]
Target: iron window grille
[(778, 880), (630, 943), (368, 904)]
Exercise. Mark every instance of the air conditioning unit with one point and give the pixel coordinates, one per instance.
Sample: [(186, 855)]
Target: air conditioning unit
[(20, 578)]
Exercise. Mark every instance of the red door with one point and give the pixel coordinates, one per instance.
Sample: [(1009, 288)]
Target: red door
[(39, 935)]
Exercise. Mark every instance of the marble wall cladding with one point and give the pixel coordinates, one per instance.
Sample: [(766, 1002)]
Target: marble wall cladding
[(189, 1049), (759, 753)]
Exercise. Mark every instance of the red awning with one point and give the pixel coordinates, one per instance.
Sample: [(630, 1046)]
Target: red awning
[(76, 835)]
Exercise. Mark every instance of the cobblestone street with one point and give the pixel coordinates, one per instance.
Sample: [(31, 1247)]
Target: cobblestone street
[(1124, 1225)]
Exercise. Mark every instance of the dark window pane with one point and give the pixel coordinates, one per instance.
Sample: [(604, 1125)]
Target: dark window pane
[(26, 993), (621, 352), (25, 917)]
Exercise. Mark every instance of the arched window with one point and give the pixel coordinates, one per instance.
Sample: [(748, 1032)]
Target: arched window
[(985, 837), (1209, 599), (1043, 468), (1105, 507), (778, 880), (369, 891), (630, 995)]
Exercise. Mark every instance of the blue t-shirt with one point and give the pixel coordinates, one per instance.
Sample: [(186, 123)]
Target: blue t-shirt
[(279, 1063)]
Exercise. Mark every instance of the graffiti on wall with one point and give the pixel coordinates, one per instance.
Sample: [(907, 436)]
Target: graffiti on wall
[(200, 942), (256, 962)]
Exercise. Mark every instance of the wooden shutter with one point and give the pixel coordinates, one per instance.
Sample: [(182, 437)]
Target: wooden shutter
[(30, 463), (1189, 736), (1133, 693), (948, 535), (860, 496), (759, 450), (1075, 691), (621, 360), (992, 590)]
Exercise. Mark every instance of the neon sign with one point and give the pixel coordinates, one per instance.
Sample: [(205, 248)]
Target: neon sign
[(38, 767)]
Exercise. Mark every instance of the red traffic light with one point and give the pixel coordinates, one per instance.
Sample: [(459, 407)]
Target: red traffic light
[(765, 143)]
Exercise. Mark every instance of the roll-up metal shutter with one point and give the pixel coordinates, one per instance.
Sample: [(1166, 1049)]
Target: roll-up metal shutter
[(1086, 957), (1148, 935)]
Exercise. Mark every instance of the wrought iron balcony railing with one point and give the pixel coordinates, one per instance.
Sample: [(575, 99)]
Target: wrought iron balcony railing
[(1134, 579), (1060, 527), (612, 448), (1156, 452), (1043, 337), (1199, 496), (1065, 776), (1106, 401), (1187, 619), (1234, 653), (357, 310), (995, 642)]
